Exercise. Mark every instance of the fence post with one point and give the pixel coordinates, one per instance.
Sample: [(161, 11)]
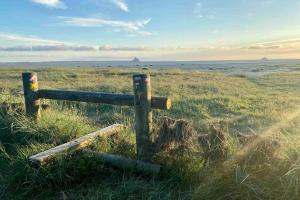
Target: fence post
[(30, 87), (143, 116)]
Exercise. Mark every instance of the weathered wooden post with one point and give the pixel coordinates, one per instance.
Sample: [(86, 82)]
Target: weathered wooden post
[(30, 87), (143, 116)]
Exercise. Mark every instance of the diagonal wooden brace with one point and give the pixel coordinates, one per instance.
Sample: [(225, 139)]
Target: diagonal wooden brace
[(74, 145)]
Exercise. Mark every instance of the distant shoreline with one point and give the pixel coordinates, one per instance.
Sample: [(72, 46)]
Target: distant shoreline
[(157, 61), (253, 68), (152, 64)]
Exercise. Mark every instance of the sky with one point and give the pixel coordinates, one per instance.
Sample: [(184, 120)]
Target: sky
[(56, 30)]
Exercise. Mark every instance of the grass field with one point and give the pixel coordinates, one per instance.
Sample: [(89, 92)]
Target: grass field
[(267, 105)]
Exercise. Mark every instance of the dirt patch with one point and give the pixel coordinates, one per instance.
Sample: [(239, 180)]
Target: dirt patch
[(174, 134), (214, 144), (180, 136)]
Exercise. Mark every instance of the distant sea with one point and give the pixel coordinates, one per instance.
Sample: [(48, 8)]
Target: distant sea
[(154, 64), (233, 66)]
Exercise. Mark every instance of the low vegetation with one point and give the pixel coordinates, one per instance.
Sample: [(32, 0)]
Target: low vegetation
[(263, 165)]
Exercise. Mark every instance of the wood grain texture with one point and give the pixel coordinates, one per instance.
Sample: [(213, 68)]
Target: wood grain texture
[(125, 163), (143, 116), (105, 98), (30, 87), (74, 145)]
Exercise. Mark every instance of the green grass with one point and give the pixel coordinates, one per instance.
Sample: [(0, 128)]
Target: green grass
[(266, 104)]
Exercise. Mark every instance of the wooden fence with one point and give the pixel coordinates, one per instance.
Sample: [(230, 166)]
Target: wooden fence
[(142, 100)]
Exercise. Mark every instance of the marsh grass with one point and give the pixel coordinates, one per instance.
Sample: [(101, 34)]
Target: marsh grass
[(237, 105)]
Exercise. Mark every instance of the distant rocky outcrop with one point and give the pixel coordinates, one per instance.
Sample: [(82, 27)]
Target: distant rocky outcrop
[(136, 60), (264, 59)]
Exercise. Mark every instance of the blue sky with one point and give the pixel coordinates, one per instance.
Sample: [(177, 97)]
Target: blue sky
[(39, 30)]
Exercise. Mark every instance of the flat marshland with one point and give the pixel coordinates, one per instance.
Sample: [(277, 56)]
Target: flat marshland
[(236, 104)]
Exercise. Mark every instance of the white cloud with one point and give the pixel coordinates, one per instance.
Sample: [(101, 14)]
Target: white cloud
[(63, 47), (47, 48), (110, 48), (26, 39), (19, 43), (262, 46), (13, 42), (16, 48), (293, 43), (51, 3), (287, 41), (134, 27), (121, 4)]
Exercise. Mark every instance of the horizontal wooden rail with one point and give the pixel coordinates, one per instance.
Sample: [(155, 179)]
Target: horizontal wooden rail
[(106, 98), (74, 145), (124, 163)]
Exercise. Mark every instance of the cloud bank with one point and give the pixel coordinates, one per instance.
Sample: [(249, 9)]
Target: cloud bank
[(279, 44), (48, 48), (30, 48), (30, 43), (65, 47)]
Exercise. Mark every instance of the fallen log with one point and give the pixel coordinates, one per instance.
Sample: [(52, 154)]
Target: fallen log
[(124, 163), (74, 145)]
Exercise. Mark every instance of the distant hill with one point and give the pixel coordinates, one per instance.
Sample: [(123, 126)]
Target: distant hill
[(136, 60), (264, 59)]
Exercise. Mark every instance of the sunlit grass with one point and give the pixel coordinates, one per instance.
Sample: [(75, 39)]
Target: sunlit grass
[(266, 105)]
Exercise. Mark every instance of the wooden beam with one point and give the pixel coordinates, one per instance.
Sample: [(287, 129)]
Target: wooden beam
[(105, 98), (74, 145), (124, 163), (30, 87), (143, 116)]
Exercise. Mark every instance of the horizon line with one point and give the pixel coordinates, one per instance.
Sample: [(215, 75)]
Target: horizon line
[(121, 60)]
